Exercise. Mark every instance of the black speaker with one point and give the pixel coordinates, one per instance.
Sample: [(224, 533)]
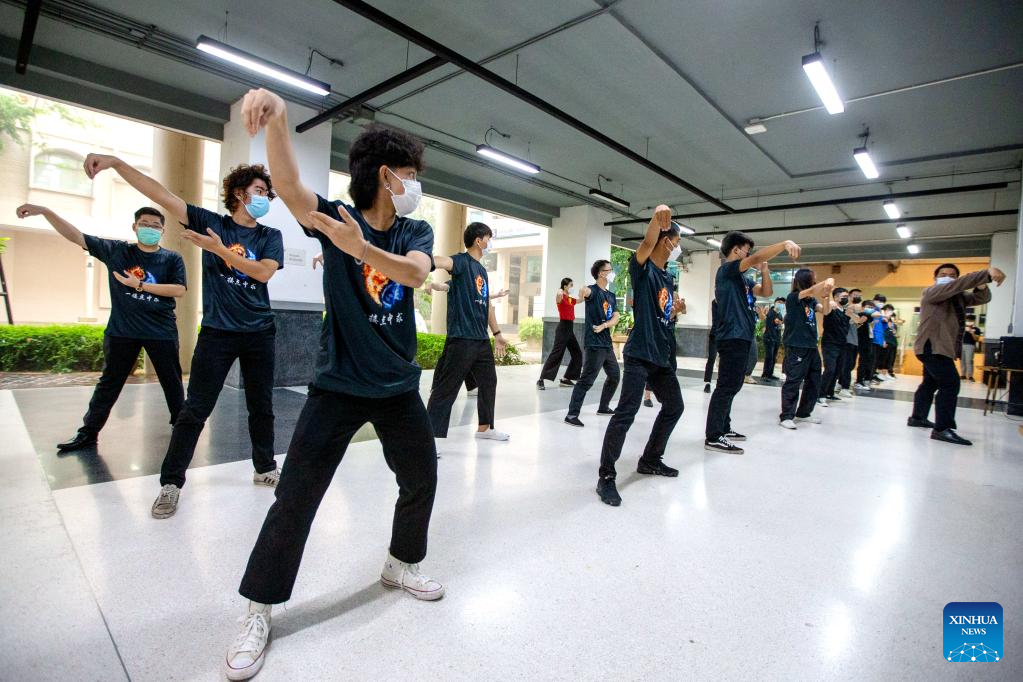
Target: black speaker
[(1012, 352)]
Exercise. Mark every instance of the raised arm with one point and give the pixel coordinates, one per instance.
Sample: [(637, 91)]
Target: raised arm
[(132, 282), (661, 220), (943, 292), (819, 290), (263, 109), (63, 227), (767, 253), (444, 262), (147, 186), (766, 287)]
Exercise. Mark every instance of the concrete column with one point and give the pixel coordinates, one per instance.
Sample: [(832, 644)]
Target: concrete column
[(447, 241), (697, 286), (177, 164), (1005, 256)]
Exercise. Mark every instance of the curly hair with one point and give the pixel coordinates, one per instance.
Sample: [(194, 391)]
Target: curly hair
[(379, 146), (241, 177)]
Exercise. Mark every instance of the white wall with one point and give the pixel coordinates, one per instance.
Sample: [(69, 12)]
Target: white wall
[(1004, 256), (697, 287), (576, 239)]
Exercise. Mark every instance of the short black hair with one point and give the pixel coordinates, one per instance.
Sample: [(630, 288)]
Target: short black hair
[(803, 279), (780, 299), (149, 210), (852, 291), (597, 267), (733, 239), (670, 231), (565, 281), (474, 231), (379, 146), (839, 290), (881, 297), (946, 265), (888, 306)]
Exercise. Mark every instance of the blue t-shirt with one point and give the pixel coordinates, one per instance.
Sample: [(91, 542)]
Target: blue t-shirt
[(231, 300), (736, 303), (368, 339), (800, 321), (600, 307), (653, 333), (877, 331), (133, 314), (468, 299)]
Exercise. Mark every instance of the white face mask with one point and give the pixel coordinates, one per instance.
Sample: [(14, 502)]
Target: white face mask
[(944, 280), (675, 252), (485, 248), (406, 203), (610, 277)]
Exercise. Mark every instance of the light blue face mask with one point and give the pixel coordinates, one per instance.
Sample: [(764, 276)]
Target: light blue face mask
[(150, 236), (781, 308), (258, 206)]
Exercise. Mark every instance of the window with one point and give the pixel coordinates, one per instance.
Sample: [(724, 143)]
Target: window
[(61, 171), (534, 269)]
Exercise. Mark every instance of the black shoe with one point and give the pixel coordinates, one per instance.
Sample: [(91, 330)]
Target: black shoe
[(648, 403), (971, 380), (706, 388), (920, 423), (724, 445), (949, 436), (573, 421), (735, 435), (567, 382), (658, 468), (540, 386), (608, 492), (608, 412), (833, 399), (80, 441)]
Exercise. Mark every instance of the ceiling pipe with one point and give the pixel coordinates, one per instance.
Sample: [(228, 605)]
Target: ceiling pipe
[(28, 33)]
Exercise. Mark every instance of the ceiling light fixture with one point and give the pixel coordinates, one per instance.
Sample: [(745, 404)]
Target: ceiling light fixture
[(607, 196), (683, 228), (261, 66), (904, 231), (755, 126), (507, 159), (813, 65), (913, 249), (714, 242), (862, 156), (891, 209)]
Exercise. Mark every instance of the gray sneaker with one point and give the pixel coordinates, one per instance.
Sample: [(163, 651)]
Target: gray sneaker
[(166, 502), (269, 479)]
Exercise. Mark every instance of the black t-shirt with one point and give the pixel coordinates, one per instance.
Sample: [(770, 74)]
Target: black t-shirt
[(733, 292), (133, 314), (368, 339), (468, 298), (772, 331), (652, 337), (969, 339), (800, 321), (600, 307), (231, 300), (836, 327), (864, 331)]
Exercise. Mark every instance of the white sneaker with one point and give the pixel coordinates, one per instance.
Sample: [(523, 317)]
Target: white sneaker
[(845, 393), (473, 393), (401, 576), (166, 502), (823, 402), (787, 424), (247, 654), (269, 479), (491, 434), (812, 419)]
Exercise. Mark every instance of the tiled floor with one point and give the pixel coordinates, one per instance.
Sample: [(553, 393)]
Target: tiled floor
[(824, 553)]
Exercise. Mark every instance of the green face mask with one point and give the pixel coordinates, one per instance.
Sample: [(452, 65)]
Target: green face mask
[(150, 236)]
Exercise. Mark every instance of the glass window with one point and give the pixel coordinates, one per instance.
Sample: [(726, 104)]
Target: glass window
[(534, 269), (61, 171)]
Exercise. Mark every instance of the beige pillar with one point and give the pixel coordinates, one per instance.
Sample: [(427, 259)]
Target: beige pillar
[(178, 165), (447, 241)]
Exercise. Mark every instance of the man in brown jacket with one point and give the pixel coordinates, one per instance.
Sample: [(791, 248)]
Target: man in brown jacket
[(939, 339)]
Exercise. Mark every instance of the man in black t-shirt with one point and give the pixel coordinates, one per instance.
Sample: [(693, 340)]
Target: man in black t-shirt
[(649, 357), (601, 312), (144, 280), (467, 345), (833, 343), (772, 337), (239, 257), (736, 296), (802, 364)]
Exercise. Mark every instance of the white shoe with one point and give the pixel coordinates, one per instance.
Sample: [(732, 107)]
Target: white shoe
[(491, 434), (166, 503), (823, 402), (473, 393), (788, 424), (269, 479), (812, 419), (247, 654), (401, 576), (845, 393)]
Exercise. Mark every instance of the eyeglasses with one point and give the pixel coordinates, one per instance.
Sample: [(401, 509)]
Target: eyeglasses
[(154, 226)]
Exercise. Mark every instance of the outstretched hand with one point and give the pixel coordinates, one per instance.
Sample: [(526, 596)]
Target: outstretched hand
[(94, 163), (127, 279), (27, 210), (345, 234), (259, 107), (209, 242), (793, 249)]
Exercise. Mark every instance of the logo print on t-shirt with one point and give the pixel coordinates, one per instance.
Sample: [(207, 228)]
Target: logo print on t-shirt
[(481, 286), (664, 301), (380, 288), (245, 253), (607, 310), (141, 275), (811, 317)]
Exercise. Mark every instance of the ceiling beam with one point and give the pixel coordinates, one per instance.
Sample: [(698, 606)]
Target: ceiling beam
[(28, 34)]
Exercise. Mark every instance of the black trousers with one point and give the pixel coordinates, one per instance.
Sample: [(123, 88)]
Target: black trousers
[(865, 370), (940, 387), (848, 362), (462, 357), (770, 357), (119, 357), (595, 360), (734, 356), (322, 434), (564, 339), (834, 361), (802, 370), (664, 383), (889, 354), (712, 354), (215, 352), (751, 359)]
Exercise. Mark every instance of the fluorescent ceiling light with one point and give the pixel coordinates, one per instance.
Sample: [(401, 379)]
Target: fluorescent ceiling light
[(714, 242), (609, 198), (261, 66), (755, 127), (904, 231), (813, 65), (862, 157), (891, 209), (506, 159), (683, 228), (913, 249)]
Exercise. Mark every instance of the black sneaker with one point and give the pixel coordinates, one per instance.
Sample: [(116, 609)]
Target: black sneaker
[(608, 492), (540, 386), (724, 445), (648, 403), (567, 382), (920, 423), (735, 435), (657, 468), (80, 441), (949, 436), (573, 421), (706, 388), (608, 412)]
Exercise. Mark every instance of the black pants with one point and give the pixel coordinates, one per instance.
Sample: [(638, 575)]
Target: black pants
[(734, 356), (865, 370), (802, 370), (848, 362), (751, 359), (939, 387), (834, 361), (462, 357), (770, 357), (215, 352), (596, 359), (564, 338), (119, 357), (664, 383), (322, 434), (712, 354), (889, 358)]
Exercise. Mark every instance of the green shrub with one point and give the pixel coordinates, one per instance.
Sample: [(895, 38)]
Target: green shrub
[(624, 323), (52, 348), (531, 329), (430, 347)]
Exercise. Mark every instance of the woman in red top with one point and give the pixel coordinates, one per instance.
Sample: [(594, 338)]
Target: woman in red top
[(564, 337)]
